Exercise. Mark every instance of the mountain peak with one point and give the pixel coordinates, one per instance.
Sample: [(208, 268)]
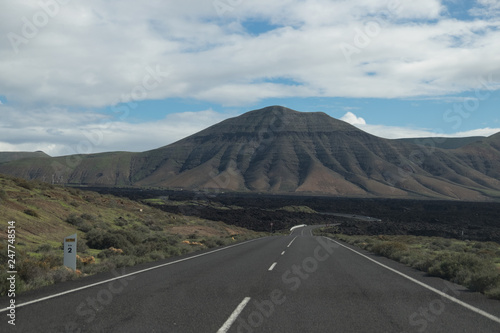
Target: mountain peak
[(277, 149), (280, 119)]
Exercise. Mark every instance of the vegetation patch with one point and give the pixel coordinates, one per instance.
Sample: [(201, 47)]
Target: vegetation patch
[(111, 231), (472, 264)]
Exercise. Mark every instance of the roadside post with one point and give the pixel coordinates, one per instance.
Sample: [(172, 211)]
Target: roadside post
[(70, 252)]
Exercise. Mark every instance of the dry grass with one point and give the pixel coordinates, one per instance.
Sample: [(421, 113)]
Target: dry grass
[(45, 214), (474, 265)]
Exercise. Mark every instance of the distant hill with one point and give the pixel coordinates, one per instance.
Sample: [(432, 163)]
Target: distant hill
[(443, 142), (279, 150), (17, 155)]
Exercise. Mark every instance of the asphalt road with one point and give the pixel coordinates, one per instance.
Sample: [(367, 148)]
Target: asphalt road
[(296, 283)]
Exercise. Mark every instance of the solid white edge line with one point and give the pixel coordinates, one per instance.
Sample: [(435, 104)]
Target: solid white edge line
[(126, 275), (272, 266), (232, 318), (291, 241), (440, 293)]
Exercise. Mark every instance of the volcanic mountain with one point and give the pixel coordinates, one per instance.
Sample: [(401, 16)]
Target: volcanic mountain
[(279, 150)]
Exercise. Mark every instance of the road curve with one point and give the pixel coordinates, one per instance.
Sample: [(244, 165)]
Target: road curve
[(297, 283)]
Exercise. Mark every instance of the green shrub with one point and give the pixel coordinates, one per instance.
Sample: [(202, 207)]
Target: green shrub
[(23, 183), (81, 245), (74, 219), (466, 269), (494, 292), (62, 274), (209, 242), (80, 222), (389, 249), (124, 261), (101, 239), (44, 248), (156, 256), (31, 212), (88, 217)]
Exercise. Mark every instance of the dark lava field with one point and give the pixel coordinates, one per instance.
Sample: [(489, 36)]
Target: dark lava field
[(451, 219)]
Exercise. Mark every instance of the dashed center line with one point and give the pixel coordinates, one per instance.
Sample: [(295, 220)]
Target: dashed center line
[(272, 266), (291, 241), (282, 253), (232, 318)]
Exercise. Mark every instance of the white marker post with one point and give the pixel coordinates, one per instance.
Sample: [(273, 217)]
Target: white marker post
[(70, 252)]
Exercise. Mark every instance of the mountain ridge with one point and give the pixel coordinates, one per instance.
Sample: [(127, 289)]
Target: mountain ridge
[(279, 150)]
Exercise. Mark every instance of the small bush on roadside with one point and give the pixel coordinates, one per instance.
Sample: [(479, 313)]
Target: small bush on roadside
[(156, 256), (389, 249), (100, 239), (124, 261), (44, 248), (63, 274)]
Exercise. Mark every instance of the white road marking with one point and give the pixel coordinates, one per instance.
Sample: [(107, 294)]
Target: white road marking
[(291, 241), (272, 266), (232, 318), (282, 253), (126, 275), (440, 293)]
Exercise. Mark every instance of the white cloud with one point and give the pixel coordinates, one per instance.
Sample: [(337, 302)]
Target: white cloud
[(62, 134), (99, 53), (486, 8), (95, 53), (352, 119), (398, 132)]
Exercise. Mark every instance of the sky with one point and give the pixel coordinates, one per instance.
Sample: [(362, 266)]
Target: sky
[(125, 75)]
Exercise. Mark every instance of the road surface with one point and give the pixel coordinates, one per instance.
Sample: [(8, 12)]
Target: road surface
[(295, 283)]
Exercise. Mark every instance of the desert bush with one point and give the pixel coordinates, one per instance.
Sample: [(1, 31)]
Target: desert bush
[(74, 219), (81, 245), (124, 261), (44, 248), (74, 191), (155, 227), (23, 183), (100, 239), (121, 222), (79, 222), (110, 253), (156, 255), (476, 273), (389, 249), (62, 274), (141, 228), (494, 292), (31, 212), (440, 244), (103, 266), (209, 242), (88, 217)]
